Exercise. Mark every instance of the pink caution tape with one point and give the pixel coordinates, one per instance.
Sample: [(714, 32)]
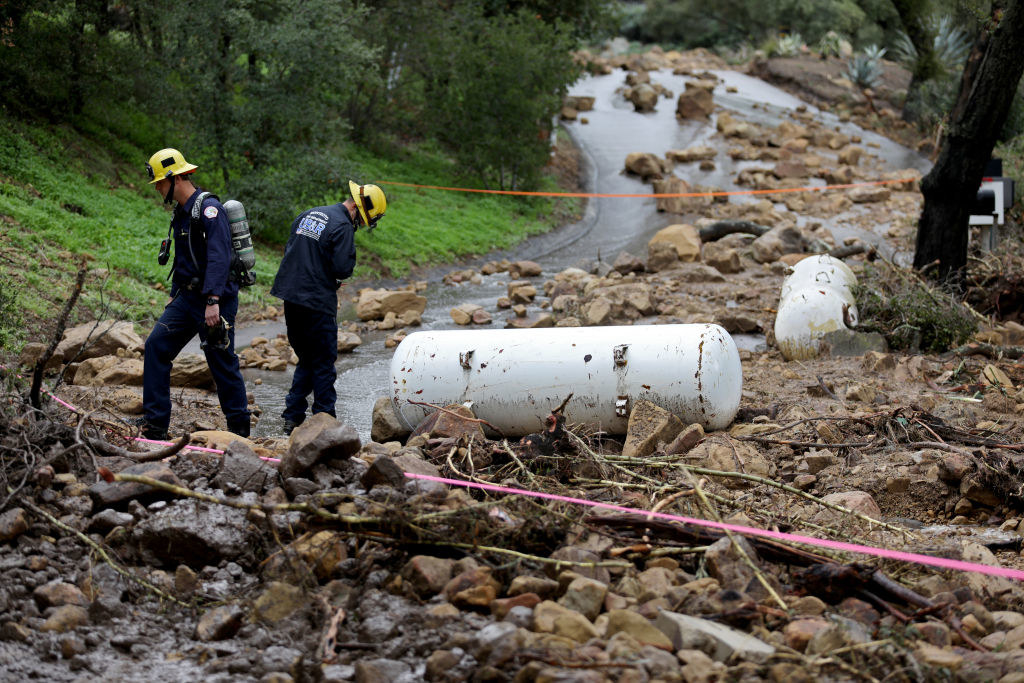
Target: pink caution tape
[(915, 558)]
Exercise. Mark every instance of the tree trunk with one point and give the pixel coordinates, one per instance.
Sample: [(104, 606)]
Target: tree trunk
[(987, 88)]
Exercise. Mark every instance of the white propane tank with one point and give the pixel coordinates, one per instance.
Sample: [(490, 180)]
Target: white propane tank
[(821, 269), (514, 378), (807, 314)]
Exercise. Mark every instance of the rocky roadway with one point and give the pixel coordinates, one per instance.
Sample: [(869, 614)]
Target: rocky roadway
[(318, 557)]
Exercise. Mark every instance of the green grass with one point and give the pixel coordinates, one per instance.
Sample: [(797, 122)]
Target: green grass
[(67, 193)]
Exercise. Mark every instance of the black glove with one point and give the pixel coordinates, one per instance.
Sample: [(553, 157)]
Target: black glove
[(217, 336)]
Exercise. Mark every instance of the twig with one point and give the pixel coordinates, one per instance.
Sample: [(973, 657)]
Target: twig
[(508, 449), (111, 449)]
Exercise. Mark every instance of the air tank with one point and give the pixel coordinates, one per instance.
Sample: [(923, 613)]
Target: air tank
[(241, 239), (514, 378)]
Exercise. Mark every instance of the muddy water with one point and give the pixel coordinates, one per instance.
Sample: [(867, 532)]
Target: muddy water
[(610, 225)]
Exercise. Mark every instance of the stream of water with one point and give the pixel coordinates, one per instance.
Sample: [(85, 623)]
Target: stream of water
[(609, 225)]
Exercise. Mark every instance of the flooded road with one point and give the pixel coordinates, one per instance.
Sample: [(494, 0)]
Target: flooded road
[(609, 225)]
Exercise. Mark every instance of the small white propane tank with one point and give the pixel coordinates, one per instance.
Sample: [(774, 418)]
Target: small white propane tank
[(807, 314), (820, 269), (516, 377)]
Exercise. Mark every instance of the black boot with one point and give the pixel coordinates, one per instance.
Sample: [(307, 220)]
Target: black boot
[(289, 427), (240, 428), (150, 431)]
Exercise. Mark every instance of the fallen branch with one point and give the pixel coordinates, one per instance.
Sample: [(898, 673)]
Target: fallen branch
[(110, 449), (719, 229), (58, 334)]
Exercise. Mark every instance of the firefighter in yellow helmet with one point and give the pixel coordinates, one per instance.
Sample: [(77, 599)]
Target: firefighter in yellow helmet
[(320, 253), (204, 298)]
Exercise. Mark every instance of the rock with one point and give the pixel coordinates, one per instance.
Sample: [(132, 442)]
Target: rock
[(107, 519), (383, 471), (386, 425), (13, 523), (375, 304), (472, 588), (91, 340), (428, 575), (278, 601), (687, 439), (983, 585), (728, 641), (576, 554), (463, 313), (644, 97), (736, 456), (521, 269), (727, 566), (645, 165), (936, 656), (685, 238), (481, 317), (850, 155), (109, 370), (864, 393), (545, 613), (648, 426), (722, 257), (242, 468), (65, 618), (799, 632), (868, 195), (531, 322), (738, 323), (699, 153), (779, 240), (545, 588), (321, 437), (317, 553), (501, 607), (790, 168), (57, 593), (219, 623), (191, 370), (348, 341), (626, 263), (661, 256), (585, 596), (124, 400), (114, 493), (637, 627), (440, 663), (697, 272), (696, 101), (455, 421), (857, 501), (195, 533), (842, 632)]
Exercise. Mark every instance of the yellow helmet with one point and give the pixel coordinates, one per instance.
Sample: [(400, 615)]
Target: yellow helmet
[(166, 163), (370, 201)]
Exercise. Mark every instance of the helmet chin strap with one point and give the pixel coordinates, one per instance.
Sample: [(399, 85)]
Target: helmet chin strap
[(169, 197)]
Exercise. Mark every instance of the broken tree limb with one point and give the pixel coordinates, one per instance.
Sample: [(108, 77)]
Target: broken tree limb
[(720, 229), (110, 449), (58, 334), (992, 351)]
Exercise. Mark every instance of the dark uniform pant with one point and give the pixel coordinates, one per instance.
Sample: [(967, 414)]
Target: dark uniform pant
[(313, 335), (182, 320)]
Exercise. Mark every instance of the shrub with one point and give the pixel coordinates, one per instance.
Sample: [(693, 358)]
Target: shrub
[(910, 314), (831, 44)]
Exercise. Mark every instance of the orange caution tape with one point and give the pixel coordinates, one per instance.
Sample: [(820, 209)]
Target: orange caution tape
[(820, 188)]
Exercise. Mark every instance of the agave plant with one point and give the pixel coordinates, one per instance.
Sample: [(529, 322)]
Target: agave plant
[(789, 45), (831, 44), (951, 44), (863, 71), (874, 52)]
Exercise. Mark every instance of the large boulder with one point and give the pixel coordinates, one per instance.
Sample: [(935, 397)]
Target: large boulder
[(374, 304), (685, 238), (94, 339), (783, 239), (197, 534), (696, 102), (676, 185), (321, 437), (645, 165), (109, 371), (191, 370), (644, 97), (386, 425)]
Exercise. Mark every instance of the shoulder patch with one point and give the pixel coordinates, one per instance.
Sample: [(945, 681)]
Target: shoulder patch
[(210, 212)]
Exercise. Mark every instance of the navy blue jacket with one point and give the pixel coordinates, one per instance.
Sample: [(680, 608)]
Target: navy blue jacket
[(213, 254), (321, 252)]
